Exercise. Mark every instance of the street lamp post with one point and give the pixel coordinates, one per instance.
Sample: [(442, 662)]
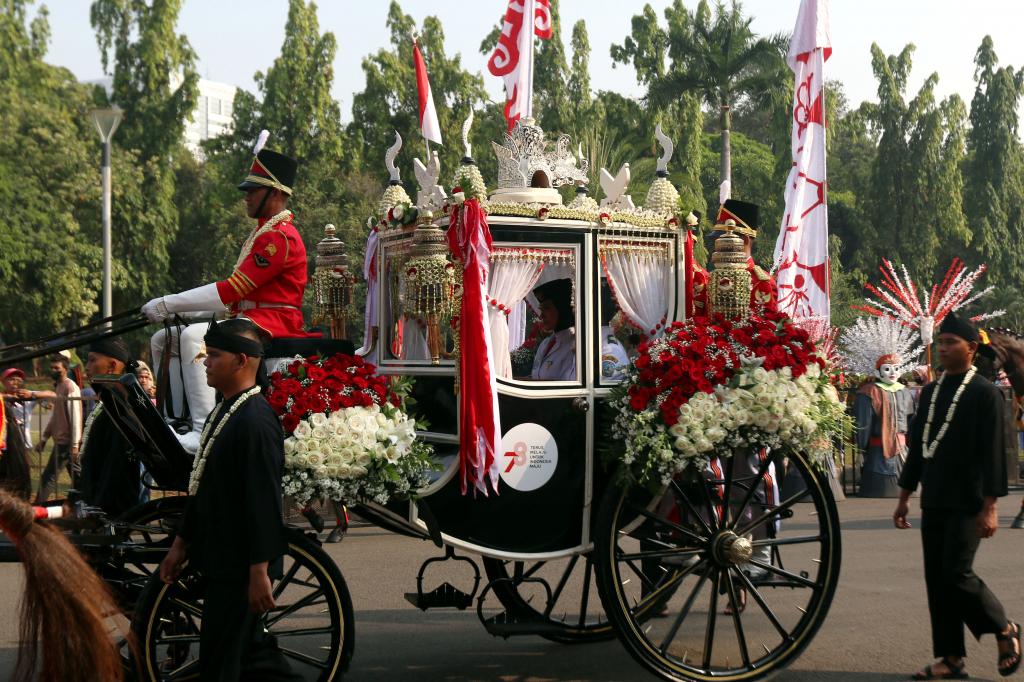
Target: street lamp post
[(106, 122)]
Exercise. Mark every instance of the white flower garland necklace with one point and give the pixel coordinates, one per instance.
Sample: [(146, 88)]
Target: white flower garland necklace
[(257, 231), (929, 450), (206, 444), (89, 422)]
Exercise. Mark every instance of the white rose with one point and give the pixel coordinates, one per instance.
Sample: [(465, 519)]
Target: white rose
[(320, 432), (318, 419), (715, 434), (315, 460), (760, 374), (368, 439), (333, 459), (677, 430), (289, 446), (786, 372), (813, 371), (302, 460), (336, 418), (356, 423), (289, 461), (301, 447), (704, 445), (344, 471), (358, 471), (303, 430), (765, 400), (381, 419), (332, 470), (363, 459), (320, 472)]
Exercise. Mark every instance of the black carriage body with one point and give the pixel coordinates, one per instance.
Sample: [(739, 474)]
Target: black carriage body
[(522, 521)]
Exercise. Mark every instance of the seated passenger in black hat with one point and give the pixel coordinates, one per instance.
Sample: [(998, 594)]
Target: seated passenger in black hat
[(556, 355), (110, 478)]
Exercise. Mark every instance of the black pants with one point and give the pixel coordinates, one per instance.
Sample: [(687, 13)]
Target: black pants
[(232, 643), (60, 456), (956, 595)]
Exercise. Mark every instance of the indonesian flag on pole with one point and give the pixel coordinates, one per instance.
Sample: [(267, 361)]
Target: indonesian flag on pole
[(513, 57), (801, 252), (429, 126)]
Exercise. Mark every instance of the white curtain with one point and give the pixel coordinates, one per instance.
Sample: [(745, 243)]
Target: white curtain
[(510, 280), (517, 326), (640, 278)]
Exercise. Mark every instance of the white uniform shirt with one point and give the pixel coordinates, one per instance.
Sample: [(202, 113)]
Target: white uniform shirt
[(556, 358)]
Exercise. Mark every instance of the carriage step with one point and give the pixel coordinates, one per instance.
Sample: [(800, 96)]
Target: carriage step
[(507, 625), (444, 596)]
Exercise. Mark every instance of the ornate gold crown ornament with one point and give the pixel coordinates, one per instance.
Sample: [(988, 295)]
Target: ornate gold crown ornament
[(332, 284)]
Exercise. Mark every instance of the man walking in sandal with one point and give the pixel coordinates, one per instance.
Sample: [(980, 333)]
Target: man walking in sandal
[(956, 454)]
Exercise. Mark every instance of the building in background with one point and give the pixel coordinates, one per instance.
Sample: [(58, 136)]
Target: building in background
[(210, 118)]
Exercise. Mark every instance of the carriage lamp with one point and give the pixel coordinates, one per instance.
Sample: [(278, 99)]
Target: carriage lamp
[(730, 281), (429, 282), (333, 283)]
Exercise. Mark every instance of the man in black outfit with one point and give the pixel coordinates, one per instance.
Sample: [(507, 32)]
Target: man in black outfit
[(232, 529), (956, 453), (110, 478)]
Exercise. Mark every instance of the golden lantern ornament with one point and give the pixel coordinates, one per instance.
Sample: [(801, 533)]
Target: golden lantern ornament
[(429, 282), (333, 283), (730, 281)]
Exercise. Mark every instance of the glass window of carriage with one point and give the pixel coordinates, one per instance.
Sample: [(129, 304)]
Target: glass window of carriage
[(636, 293), (532, 309)]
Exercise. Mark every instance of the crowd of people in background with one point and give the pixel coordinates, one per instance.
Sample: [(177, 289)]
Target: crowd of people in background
[(62, 410)]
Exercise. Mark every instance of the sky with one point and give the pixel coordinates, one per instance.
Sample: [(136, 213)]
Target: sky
[(236, 38)]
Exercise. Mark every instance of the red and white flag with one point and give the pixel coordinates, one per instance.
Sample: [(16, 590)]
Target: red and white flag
[(801, 252), (429, 126), (513, 57)]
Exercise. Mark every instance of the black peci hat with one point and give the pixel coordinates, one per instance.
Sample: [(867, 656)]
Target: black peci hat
[(959, 326), (271, 169)]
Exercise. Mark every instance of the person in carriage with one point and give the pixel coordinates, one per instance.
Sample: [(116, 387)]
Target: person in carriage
[(266, 286)]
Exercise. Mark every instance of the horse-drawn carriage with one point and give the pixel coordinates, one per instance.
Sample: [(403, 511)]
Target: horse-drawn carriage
[(721, 574)]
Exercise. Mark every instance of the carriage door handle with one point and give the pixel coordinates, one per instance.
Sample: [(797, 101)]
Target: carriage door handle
[(581, 404)]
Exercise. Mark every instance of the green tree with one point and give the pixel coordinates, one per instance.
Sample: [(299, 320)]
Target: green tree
[(155, 82), (389, 102), (994, 191), (916, 182), (712, 53)]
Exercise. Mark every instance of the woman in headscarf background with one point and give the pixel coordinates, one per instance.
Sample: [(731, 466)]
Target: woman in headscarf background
[(556, 355)]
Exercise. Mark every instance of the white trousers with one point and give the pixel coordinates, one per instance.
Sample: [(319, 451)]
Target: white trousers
[(187, 375)]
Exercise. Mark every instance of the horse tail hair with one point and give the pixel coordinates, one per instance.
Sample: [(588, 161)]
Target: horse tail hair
[(65, 631)]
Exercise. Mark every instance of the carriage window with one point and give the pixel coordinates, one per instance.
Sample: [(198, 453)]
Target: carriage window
[(636, 288), (618, 338), (533, 313)]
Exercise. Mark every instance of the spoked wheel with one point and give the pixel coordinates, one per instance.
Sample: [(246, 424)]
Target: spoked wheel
[(147, 532), (749, 581), (312, 622), (561, 595)]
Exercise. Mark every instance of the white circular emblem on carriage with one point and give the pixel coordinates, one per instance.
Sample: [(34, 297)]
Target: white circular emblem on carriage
[(529, 457)]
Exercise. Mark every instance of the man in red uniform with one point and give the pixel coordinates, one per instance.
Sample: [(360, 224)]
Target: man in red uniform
[(266, 286), (742, 217)]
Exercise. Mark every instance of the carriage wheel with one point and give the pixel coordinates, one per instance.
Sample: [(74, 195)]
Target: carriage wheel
[(147, 532), (312, 622), (708, 555), (570, 610)]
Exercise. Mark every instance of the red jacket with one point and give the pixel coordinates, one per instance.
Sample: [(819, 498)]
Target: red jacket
[(267, 285)]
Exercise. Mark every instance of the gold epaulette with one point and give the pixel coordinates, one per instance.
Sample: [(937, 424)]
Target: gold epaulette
[(761, 273)]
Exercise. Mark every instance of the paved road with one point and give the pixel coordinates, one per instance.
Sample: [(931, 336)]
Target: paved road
[(877, 629)]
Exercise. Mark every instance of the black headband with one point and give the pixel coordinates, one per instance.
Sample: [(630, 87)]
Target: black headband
[(232, 343)]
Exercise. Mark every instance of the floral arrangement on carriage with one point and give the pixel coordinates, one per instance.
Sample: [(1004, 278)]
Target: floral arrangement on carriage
[(348, 434), (713, 386)]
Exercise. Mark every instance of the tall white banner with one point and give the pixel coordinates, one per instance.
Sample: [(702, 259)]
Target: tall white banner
[(801, 252)]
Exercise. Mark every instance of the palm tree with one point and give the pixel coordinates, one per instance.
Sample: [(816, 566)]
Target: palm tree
[(717, 56)]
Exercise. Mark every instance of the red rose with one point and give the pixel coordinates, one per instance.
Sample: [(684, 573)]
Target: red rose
[(316, 373), (289, 422), (278, 399), (638, 402)]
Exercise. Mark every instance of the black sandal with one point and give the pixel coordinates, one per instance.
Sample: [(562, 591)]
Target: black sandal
[(1013, 636), (955, 672)]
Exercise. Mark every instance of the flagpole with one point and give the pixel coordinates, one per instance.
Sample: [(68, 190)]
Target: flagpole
[(529, 21)]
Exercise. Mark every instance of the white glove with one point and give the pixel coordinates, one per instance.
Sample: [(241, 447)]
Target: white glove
[(199, 300), (155, 310)]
